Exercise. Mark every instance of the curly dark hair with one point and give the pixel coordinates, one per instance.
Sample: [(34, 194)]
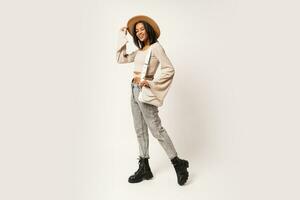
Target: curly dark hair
[(150, 32)]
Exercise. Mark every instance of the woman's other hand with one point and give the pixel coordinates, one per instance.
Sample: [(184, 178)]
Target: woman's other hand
[(144, 83)]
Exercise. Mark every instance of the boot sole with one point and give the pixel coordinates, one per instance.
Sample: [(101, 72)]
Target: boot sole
[(185, 180), (146, 177)]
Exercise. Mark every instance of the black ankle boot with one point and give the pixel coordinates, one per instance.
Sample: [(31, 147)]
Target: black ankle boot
[(181, 170), (144, 172)]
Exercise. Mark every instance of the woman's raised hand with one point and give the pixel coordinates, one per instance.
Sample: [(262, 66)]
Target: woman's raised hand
[(124, 29)]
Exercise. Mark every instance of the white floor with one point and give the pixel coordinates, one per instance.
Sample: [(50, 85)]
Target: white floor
[(242, 171)]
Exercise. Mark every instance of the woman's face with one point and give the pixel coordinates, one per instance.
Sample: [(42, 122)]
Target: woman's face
[(141, 33)]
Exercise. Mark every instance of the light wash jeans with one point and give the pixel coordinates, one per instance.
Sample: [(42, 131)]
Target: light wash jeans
[(144, 116)]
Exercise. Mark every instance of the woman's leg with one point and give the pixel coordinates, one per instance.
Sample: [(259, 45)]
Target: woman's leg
[(150, 114), (153, 121), (144, 171), (140, 125)]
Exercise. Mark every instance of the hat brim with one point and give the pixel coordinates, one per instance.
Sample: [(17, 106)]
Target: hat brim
[(131, 22)]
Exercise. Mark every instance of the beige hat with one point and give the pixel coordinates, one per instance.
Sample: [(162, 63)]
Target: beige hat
[(147, 19)]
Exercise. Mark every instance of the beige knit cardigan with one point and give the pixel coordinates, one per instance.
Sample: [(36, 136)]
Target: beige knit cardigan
[(160, 85)]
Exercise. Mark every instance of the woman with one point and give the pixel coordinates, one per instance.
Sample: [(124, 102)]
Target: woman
[(145, 33)]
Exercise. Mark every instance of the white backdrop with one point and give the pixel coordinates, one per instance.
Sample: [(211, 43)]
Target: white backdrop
[(232, 111)]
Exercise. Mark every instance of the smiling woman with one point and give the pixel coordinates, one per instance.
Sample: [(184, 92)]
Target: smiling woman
[(142, 33), (145, 33), (139, 26)]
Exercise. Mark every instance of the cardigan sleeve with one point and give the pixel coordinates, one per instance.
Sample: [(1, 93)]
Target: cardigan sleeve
[(161, 84), (121, 55)]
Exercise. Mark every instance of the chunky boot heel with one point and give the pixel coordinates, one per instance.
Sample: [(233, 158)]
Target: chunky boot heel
[(186, 164), (148, 176), (181, 170), (143, 173)]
